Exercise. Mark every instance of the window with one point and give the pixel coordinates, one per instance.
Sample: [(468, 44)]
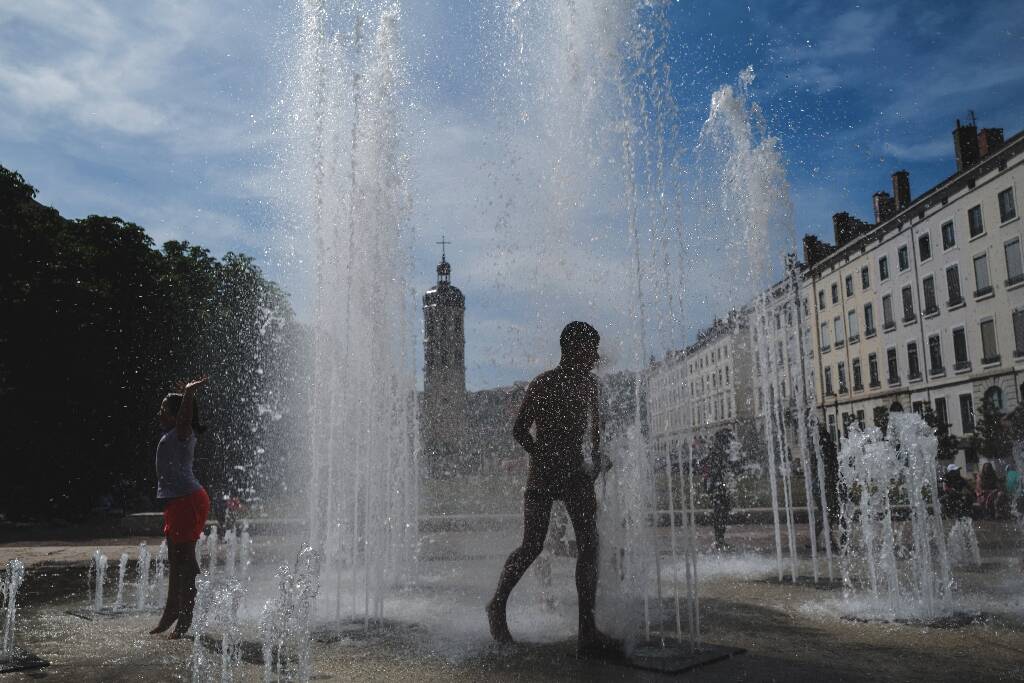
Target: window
[(851, 325), (948, 235), (828, 382), (858, 382), (841, 373), (989, 352), (975, 224), (953, 285), (908, 304), (924, 247), (849, 285), (869, 319), (913, 367), (935, 354), (865, 278), (1014, 266), (824, 336), (835, 293), (894, 368), (982, 284), (994, 397), (967, 413), (821, 299), (1007, 208), (903, 258), (883, 268), (928, 285), (941, 413), (1018, 332), (832, 427), (873, 370), (887, 321), (840, 333), (960, 360)]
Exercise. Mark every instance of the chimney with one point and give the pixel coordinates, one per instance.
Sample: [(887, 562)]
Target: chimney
[(989, 140), (965, 143), (885, 207), (901, 189), (847, 227), (815, 250)]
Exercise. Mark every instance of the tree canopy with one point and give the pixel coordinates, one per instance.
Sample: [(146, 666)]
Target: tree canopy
[(98, 323)]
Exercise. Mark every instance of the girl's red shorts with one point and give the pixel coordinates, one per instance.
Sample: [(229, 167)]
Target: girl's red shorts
[(185, 517)]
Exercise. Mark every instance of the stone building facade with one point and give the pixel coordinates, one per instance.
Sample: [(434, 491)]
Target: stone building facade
[(443, 407), (925, 306)]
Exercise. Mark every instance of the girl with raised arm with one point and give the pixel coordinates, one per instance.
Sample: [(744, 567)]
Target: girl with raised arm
[(186, 504)]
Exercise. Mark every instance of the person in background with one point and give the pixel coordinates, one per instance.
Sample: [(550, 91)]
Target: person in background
[(956, 497), (988, 490), (186, 503), (1013, 491)]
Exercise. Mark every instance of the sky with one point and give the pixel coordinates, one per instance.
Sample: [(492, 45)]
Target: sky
[(170, 116)]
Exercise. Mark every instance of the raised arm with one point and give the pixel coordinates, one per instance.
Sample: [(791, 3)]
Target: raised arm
[(183, 421), (525, 419)]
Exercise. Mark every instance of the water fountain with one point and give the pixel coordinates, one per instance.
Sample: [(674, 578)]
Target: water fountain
[(887, 576), (349, 162), (962, 544), (142, 579), (12, 657), (122, 568), (99, 577)]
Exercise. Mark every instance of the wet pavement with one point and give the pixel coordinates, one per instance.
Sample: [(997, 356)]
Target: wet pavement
[(790, 631)]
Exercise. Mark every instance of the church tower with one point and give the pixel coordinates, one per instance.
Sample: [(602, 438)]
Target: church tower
[(444, 373)]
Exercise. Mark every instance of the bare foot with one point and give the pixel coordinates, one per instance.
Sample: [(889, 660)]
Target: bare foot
[(497, 623), (162, 626)]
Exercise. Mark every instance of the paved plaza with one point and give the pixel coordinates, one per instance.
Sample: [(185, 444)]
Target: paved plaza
[(789, 631)]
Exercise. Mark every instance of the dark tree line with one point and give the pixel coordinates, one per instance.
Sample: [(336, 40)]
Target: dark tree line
[(96, 324)]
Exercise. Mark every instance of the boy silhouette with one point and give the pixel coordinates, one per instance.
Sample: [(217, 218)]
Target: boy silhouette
[(558, 404)]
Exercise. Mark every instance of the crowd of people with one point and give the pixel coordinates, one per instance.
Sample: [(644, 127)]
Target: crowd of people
[(994, 491)]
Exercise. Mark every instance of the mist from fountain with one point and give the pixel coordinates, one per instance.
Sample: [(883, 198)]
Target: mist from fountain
[(347, 162), (743, 193)]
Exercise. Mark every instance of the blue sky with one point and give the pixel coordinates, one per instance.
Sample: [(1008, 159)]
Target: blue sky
[(166, 116)]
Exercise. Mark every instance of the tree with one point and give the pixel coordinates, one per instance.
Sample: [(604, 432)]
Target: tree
[(97, 325), (947, 443), (992, 435)]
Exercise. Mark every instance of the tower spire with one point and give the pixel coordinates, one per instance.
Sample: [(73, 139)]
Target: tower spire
[(444, 269)]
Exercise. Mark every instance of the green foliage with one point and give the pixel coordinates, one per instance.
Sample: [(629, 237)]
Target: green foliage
[(947, 446), (98, 324), (993, 436)]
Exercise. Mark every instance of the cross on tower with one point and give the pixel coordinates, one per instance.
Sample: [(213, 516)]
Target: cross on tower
[(443, 242)]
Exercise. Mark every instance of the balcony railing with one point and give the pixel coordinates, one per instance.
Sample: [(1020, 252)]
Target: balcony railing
[(984, 291), (991, 360)]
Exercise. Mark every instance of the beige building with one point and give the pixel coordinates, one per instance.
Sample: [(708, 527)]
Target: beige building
[(926, 304), (695, 392)]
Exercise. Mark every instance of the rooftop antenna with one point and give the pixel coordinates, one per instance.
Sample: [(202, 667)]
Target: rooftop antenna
[(974, 120)]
